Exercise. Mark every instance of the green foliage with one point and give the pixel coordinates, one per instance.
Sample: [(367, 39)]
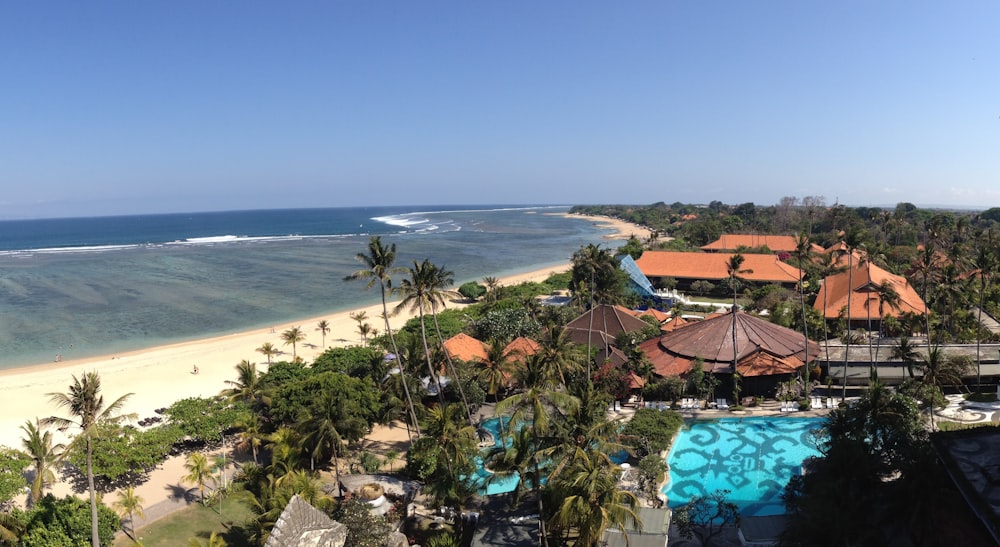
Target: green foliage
[(633, 247), (356, 361), (124, 452), (284, 372), (295, 397), (652, 471), (205, 419), (369, 462), (653, 428), (66, 522), (12, 466), (364, 529), (504, 325), (669, 388), (472, 290), (706, 516)]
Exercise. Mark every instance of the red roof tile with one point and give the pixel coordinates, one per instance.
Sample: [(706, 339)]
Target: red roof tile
[(776, 243), (864, 296), (464, 347), (712, 266)]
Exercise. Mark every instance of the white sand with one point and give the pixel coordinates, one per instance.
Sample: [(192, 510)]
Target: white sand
[(158, 376)]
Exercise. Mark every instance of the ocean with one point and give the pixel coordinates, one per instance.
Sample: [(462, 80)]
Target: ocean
[(83, 287)]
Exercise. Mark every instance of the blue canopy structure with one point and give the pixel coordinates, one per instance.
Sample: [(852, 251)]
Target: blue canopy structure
[(640, 283)]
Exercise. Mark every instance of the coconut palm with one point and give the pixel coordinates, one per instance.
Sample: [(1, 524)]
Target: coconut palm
[(85, 404), (326, 427), (496, 370), (324, 328), (268, 350), (939, 370), (985, 264), (199, 472), (293, 336), (905, 352), (360, 317), (248, 386), (129, 504), (829, 266), (888, 297), (535, 404), (492, 289), (852, 241), (803, 255), (416, 296), (438, 294), (44, 455), (559, 355), (10, 528), (592, 501), (379, 269), (366, 330), (251, 435), (213, 540), (599, 267)]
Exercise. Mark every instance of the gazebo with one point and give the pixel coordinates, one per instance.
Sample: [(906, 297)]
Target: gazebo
[(766, 353)]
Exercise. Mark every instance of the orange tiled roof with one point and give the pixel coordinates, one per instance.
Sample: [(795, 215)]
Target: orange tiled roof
[(660, 316), (464, 347), (864, 296), (674, 324), (777, 243), (520, 348), (711, 340), (635, 381), (712, 266)]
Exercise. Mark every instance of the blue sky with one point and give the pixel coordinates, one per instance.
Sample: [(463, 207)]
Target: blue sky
[(134, 107)]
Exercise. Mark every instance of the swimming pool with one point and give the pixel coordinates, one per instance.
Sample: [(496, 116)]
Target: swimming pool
[(753, 458)]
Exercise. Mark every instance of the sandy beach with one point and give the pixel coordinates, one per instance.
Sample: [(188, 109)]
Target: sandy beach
[(158, 376)]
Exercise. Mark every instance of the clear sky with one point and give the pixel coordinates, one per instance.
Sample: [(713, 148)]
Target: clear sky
[(135, 107)]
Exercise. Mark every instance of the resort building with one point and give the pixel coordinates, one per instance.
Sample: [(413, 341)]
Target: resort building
[(765, 352), (688, 267), (602, 324), (730, 243), (465, 348), (867, 287)]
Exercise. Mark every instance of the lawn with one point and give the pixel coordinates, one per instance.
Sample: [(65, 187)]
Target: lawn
[(195, 521)]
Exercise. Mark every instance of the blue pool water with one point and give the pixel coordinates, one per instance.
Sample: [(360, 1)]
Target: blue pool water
[(753, 458), (507, 484)]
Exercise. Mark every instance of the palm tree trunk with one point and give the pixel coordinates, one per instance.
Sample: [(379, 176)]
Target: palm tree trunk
[(805, 328), (451, 367), (427, 354), (542, 533), (95, 537), (399, 363), (850, 293)]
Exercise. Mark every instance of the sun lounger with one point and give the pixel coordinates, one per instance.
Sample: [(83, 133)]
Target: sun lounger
[(722, 404), (793, 406), (817, 403), (784, 406)]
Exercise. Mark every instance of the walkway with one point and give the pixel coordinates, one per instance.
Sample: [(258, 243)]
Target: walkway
[(989, 322)]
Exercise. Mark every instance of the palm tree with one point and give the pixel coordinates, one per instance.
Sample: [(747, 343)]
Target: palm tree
[(559, 355), (939, 371), (438, 293), (495, 371), (852, 240), (538, 400), (803, 254), (326, 426), (293, 336), (734, 267), (323, 327), (887, 296), (129, 505), (87, 410), (596, 263), (10, 528), (213, 540), (926, 266), (44, 456), (829, 266), (492, 289), (416, 296), (360, 318), (593, 502), (378, 268), (390, 458), (365, 330), (199, 472), (905, 352), (248, 386), (268, 350), (985, 264), (251, 435)]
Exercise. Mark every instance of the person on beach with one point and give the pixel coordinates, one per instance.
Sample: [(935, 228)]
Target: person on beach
[(195, 371)]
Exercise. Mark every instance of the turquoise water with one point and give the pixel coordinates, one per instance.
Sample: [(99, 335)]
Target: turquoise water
[(508, 484), (753, 458), (94, 286)]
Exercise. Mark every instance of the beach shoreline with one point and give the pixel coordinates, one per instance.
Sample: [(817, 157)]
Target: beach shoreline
[(161, 375)]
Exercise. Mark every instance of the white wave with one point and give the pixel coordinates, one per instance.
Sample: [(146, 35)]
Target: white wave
[(67, 250), (402, 220)]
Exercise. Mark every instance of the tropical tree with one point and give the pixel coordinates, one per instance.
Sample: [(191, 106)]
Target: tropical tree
[(940, 370), (592, 501), (248, 386), (416, 296), (492, 289), (803, 254), (534, 404), (268, 350), (495, 371), (129, 504), (366, 330), (324, 328), (852, 241), (213, 540), (10, 528), (829, 266), (199, 472), (329, 422), (598, 269), (889, 297), (379, 269), (437, 294), (293, 336), (251, 435), (85, 404), (985, 264), (44, 455), (905, 351)]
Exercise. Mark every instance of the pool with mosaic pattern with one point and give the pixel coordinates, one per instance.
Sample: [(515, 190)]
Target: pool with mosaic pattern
[(753, 458)]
